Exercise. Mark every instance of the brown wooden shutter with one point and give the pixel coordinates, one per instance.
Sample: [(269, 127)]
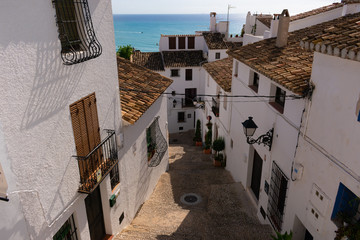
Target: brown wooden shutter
[(188, 74), (181, 42), (191, 42), (172, 42), (86, 132)]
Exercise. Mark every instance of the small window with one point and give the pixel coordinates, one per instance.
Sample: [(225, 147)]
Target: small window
[(255, 82), (189, 115), (231, 143), (279, 102), (191, 42), (172, 42), (114, 176), (181, 42), (76, 33), (181, 116), (174, 73), (217, 55), (225, 102), (346, 205), (67, 230), (188, 75)]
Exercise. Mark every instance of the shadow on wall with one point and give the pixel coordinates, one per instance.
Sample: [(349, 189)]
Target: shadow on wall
[(53, 85)]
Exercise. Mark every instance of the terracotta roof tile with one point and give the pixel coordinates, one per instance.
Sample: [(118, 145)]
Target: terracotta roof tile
[(221, 72), (183, 58), (134, 77), (316, 11), (289, 66), (150, 60), (215, 40), (339, 39)]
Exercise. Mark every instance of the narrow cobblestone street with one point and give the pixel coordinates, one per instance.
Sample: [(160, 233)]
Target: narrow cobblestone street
[(224, 210)]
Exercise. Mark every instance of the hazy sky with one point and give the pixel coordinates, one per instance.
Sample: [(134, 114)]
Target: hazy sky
[(219, 6)]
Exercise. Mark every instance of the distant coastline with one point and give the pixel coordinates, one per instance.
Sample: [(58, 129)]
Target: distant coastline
[(143, 31)]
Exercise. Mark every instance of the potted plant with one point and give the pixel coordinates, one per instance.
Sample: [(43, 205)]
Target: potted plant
[(284, 236), (218, 146), (208, 139), (197, 138)]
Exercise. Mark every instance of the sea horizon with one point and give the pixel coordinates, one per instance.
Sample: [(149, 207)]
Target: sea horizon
[(143, 31)]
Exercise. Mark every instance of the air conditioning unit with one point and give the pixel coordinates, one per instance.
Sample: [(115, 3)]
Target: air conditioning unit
[(297, 171)]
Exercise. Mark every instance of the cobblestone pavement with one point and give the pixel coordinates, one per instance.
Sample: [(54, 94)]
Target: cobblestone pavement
[(225, 212)]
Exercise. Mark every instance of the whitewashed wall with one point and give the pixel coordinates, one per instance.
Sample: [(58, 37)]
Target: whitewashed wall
[(137, 180), (36, 92)]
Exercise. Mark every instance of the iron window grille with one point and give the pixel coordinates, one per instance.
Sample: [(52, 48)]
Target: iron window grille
[(277, 196), (280, 96), (217, 55), (181, 116), (114, 176), (215, 107), (67, 230), (76, 32), (156, 144)]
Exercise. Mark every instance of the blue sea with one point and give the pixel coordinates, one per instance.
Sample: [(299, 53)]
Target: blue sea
[(142, 31)]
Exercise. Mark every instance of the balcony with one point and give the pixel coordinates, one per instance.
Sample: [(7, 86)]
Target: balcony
[(97, 164), (187, 102)]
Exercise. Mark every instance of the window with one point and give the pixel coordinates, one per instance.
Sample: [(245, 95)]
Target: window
[(181, 42), (231, 143), (190, 94), (114, 176), (181, 116), (277, 196), (76, 33), (191, 42), (172, 42), (217, 55), (67, 230), (189, 115), (174, 73), (346, 205), (279, 102), (254, 82), (215, 107), (156, 144), (188, 74)]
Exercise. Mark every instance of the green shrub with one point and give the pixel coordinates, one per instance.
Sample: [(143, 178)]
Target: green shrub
[(125, 51), (197, 137)]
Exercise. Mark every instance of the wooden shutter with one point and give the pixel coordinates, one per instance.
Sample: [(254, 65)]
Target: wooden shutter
[(188, 74), (86, 132), (191, 42), (172, 42), (181, 42)]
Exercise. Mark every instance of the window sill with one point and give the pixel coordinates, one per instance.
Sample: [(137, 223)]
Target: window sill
[(254, 88), (181, 121), (277, 106)]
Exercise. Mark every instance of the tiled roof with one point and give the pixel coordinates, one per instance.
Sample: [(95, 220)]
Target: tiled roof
[(179, 35), (150, 60), (340, 39), (265, 20), (316, 11), (221, 72), (134, 77), (214, 40), (183, 58), (289, 66)]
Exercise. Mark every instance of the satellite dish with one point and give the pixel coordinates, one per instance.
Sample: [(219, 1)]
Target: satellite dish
[(3, 185)]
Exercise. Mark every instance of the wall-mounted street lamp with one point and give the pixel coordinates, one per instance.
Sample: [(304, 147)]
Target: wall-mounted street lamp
[(249, 130), (174, 103)]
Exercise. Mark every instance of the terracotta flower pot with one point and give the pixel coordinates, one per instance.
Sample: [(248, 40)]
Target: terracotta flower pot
[(198, 144), (207, 151), (217, 163)]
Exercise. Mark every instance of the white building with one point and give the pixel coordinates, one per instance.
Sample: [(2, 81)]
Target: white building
[(59, 100), (310, 173), (144, 156), (181, 58)]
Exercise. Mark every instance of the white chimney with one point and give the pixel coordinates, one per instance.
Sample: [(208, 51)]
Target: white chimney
[(283, 29), (213, 21)]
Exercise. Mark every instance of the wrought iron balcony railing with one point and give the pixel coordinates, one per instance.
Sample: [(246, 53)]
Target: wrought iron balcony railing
[(98, 163), (187, 102)]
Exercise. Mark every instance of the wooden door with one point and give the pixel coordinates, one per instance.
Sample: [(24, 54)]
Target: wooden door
[(256, 175), (95, 215)]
